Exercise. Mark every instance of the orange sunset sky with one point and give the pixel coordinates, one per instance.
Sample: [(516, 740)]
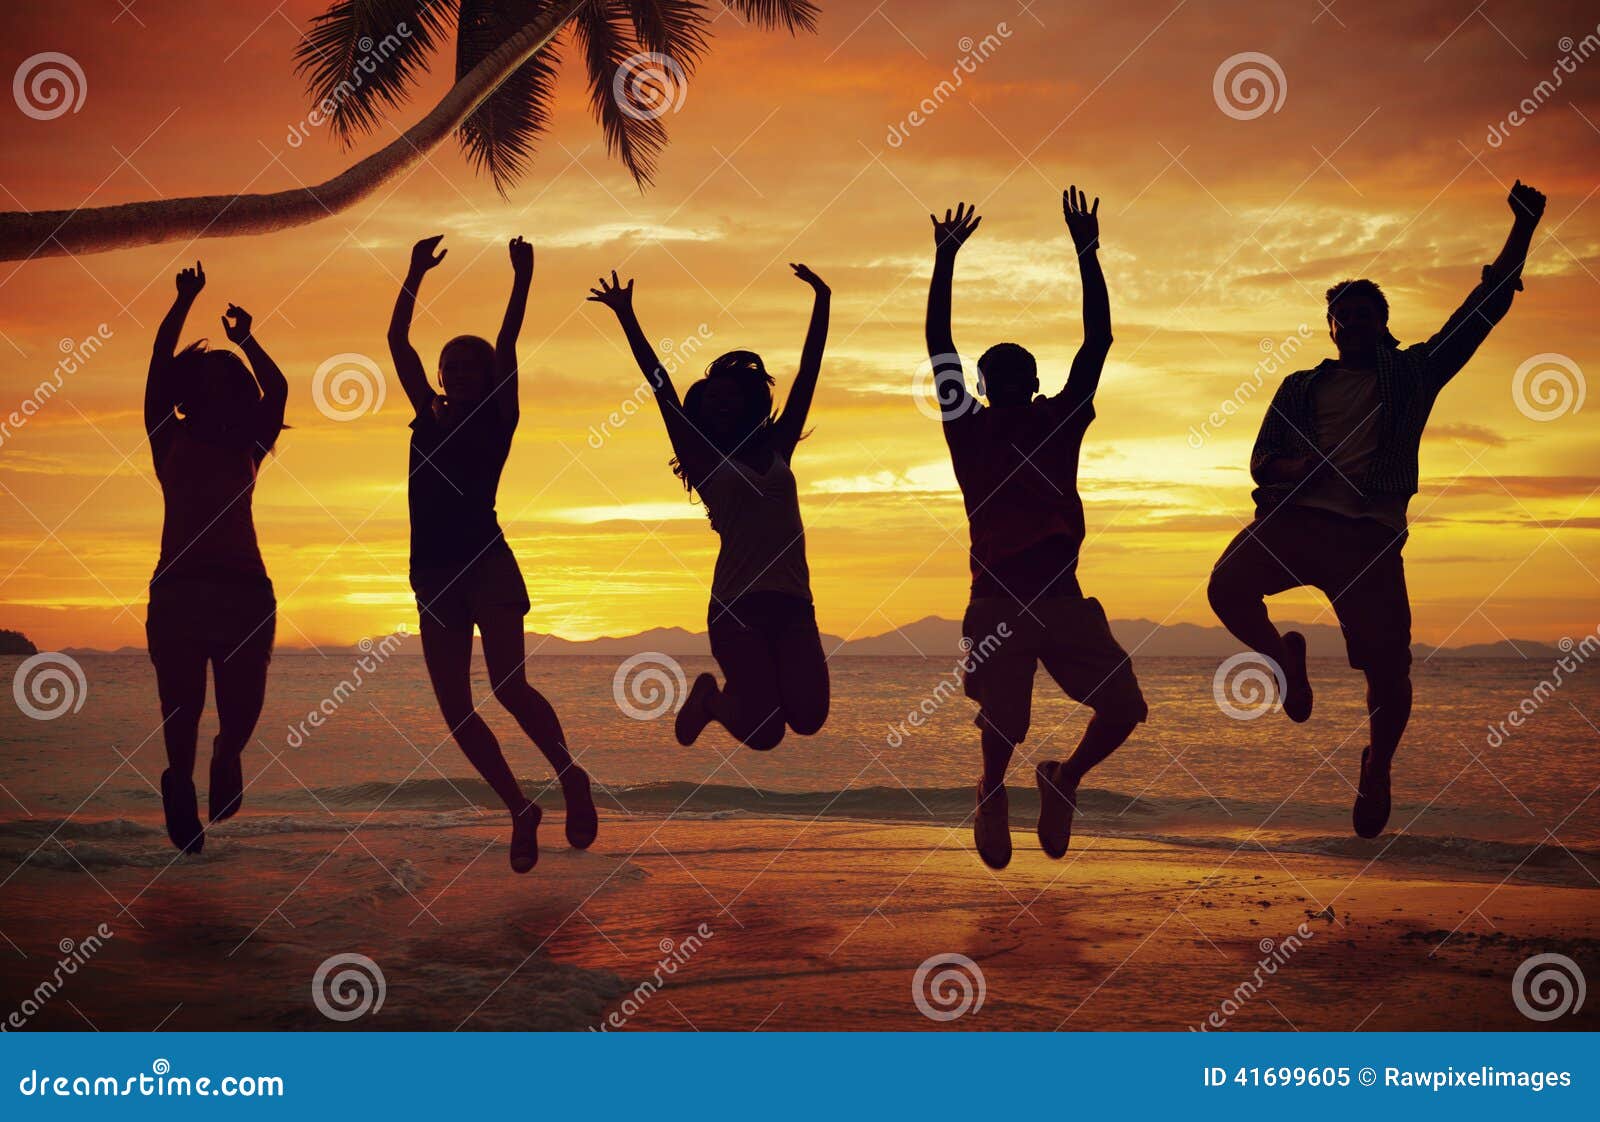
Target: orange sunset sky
[(1220, 236)]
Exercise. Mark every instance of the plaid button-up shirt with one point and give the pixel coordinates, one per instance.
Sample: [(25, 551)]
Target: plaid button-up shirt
[(1409, 380)]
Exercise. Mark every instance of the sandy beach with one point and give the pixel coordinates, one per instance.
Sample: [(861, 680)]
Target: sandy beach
[(739, 922)]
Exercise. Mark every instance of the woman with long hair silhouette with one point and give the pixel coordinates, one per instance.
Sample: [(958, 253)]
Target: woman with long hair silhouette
[(733, 451), (462, 570), (211, 420)]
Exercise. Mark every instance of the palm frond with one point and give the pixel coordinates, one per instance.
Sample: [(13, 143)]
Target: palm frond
[(361, 56), (606, 36), (501, 136), (676, 28), (794, 16)]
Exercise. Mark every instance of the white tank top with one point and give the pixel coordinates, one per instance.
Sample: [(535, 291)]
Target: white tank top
[(757, 515)]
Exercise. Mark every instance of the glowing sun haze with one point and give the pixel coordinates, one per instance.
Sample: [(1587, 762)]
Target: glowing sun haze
[(1220, 236)]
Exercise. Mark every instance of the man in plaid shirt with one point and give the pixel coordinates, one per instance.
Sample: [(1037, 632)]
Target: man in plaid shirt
[(1335, 464)]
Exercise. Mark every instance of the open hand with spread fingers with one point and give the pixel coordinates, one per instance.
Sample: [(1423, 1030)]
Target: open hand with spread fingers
[(1083, 220), (952, 233), (615, 295)]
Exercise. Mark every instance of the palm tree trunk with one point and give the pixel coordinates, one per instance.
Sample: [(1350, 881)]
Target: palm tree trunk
[(51, 233)]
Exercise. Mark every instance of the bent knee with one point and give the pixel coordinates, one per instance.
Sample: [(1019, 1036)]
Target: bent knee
[(1391, 680), (1225, 590), (462, 720), (1010, 728), (809, 722), (512, 692), (1124, 713), (764, 737)]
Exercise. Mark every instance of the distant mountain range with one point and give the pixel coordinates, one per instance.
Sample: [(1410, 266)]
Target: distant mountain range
[(933, 637)]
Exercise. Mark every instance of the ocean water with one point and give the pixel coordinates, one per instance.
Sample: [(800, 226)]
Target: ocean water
[(1470, 787)]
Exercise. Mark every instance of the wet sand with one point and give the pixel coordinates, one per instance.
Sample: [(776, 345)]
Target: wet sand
[(741, 923)]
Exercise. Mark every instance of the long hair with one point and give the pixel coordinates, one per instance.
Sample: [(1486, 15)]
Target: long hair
[(745, 370), (207, 385)]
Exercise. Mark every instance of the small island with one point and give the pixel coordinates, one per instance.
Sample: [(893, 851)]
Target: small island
[(16, 643)]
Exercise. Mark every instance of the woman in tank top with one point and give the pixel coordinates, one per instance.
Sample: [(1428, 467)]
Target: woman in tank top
[(732, 450), (211, 420), (462, 570)]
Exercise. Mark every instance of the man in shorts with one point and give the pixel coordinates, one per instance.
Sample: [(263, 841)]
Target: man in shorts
[(1335, 465), (1016, 460)]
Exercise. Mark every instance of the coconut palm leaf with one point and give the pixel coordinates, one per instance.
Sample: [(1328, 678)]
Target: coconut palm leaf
[(496, 108), (501, 136), (360, 57), (605, 35), (794, 16), (676, 28)]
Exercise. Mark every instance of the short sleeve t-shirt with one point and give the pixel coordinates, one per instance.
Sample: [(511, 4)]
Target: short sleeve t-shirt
[(454, 476), (1018, 471)]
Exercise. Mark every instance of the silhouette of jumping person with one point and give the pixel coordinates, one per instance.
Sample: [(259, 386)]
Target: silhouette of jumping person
[(732, 450), (211, 420), (462, 569), (1016, 460), (1335, 464)]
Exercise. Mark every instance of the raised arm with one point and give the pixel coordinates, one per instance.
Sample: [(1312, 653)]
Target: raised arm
[(949, 381), (274, 386), (1083, 223), (792, 422), (1527, 208), (407, 363), (505, 345), (1454, 344), (693, 450), (158, 392)]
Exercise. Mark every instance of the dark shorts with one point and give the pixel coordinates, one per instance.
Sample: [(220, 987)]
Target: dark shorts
[(455, 598), (211, 620), (770, 617), (1355, 562), (1004, 643), (775, 670)]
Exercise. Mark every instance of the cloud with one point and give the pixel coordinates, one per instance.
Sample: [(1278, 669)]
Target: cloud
[(935, 477), (627, 512), (1218, 234), (1575, 523), (1525, 486), (613, 233), (1467, 433)]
